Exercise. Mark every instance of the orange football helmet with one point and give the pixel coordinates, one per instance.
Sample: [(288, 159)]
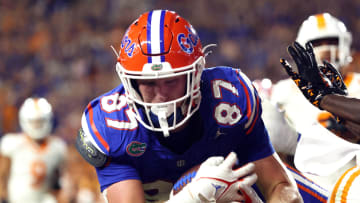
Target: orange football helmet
[(161, 44)]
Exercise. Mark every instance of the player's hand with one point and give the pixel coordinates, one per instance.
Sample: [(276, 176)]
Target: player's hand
[(313, 81), (217, 181)]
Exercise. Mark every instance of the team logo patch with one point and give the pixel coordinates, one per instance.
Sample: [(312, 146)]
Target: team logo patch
[(136, 148), (156, 67)]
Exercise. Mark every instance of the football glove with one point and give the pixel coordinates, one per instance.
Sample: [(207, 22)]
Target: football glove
[(335, 78), (313, 81), (217, 181)]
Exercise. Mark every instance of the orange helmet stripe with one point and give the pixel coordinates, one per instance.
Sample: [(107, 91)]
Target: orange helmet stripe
[(321, 23), (37, 106)]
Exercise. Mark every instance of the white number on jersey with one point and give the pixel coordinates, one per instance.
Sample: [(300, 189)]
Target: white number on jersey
[(38, 170), (225, 113), (216, 84), (114, 102)]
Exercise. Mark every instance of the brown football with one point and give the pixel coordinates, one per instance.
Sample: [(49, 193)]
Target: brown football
[(185, 179)]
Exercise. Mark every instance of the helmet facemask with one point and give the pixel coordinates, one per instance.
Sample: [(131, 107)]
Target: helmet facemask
[(165, 116), (331, 50)]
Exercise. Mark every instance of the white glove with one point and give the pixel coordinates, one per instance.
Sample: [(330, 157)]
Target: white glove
[(216, 181), (247, 191)]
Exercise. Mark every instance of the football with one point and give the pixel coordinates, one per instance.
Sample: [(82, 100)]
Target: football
[(184, 179)]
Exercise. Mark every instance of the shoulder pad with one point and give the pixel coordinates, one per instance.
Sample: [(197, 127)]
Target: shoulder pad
[(88, 151)]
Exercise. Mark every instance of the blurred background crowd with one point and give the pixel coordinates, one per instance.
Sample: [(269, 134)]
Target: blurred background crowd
[(60, 49)]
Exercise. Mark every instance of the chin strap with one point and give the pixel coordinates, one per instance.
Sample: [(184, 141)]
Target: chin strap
[(162, 114), (163, 123), (167, 115)]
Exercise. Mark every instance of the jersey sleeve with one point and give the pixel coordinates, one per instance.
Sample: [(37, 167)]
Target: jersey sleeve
[(232, 96), (237, 109), (61, 148), (8, 144), (108, 139), (251, 104), (115, 172), (92, 122), (281, 91), (256, 135), (257, 144)]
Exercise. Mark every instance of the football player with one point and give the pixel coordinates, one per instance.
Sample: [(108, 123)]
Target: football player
[(324, 88), (331, 42), (169, 114), (31, 161)]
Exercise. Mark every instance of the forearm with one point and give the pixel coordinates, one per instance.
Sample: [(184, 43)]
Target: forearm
[(344, 107), (125, 191), (285, 192), (275, 182), (3, 190), (354, 128), (4, 175)]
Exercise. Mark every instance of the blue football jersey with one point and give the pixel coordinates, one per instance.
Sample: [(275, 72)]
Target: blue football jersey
[(229, 119)]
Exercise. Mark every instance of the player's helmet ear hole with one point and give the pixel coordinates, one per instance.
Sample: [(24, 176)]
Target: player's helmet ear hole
[(177, 20), (136, 23)]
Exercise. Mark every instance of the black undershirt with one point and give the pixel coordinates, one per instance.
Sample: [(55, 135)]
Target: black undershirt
[(179, 142)]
